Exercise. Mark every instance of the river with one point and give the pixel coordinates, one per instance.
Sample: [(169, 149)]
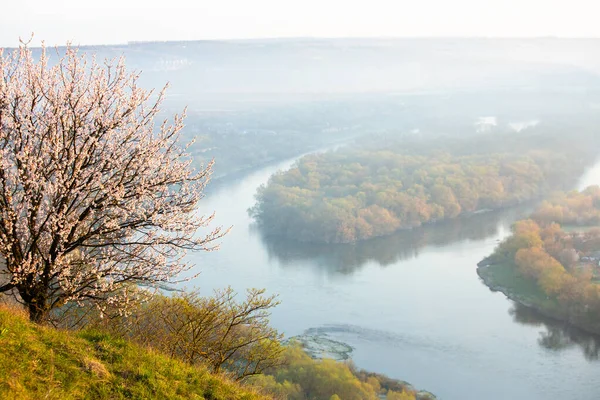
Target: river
[(411, 305)]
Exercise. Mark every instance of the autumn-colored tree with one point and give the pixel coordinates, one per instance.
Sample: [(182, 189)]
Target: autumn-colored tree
[(576, 208), (536, 263), (93, 195), (560, 262), (391, 395), (526, 235), (355, 194)]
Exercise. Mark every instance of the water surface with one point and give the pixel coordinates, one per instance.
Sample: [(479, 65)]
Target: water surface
[(410, 304)]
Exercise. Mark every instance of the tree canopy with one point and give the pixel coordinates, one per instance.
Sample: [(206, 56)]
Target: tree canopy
[(563, 264), (354, 194)]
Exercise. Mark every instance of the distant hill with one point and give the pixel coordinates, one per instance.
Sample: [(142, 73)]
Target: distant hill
[(279, 68)]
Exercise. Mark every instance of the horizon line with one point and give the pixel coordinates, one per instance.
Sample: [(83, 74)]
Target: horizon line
[(333, 38)]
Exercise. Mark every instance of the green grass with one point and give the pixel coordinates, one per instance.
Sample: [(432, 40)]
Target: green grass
[(505, 275), (44, 363)]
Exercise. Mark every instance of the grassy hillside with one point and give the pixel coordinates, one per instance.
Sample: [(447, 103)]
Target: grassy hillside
[(45, 363)]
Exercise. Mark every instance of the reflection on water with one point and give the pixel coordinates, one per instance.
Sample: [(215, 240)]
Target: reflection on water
[(557, 335), (388, 250)]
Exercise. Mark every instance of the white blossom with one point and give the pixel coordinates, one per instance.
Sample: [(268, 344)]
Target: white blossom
[(93, 195)]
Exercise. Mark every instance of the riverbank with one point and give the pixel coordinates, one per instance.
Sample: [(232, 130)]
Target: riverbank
[(319, 346), (503, 277), (238, 174)]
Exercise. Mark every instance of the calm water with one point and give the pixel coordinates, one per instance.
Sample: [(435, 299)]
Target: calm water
[(411, 304)]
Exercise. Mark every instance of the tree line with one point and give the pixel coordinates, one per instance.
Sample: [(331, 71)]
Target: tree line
[(563, 263), (358, 193)]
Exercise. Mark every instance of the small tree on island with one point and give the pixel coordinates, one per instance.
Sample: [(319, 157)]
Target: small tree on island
[(94, 198)]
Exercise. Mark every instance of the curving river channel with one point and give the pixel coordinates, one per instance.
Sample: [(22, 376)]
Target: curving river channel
[(411, 305)]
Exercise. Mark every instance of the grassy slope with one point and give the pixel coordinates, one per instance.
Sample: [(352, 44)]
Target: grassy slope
[(505, 278), (44, 363)]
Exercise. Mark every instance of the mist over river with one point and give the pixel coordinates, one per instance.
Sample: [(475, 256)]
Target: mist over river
[(411, 304)]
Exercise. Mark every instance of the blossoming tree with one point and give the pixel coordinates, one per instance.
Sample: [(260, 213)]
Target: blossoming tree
[(95, 198)]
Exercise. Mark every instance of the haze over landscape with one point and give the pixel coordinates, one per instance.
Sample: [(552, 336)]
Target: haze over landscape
[(57, 22), (413, 187)]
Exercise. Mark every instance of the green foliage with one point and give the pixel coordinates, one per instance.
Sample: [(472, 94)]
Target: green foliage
[(39, 362), (303, 378), (354, 194), (391, 395), (219, 331)]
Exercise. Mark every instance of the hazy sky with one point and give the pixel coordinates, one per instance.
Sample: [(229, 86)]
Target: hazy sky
[(119, 21)]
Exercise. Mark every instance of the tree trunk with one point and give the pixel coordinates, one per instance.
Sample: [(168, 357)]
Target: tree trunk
[(36, 303), (37, 314)]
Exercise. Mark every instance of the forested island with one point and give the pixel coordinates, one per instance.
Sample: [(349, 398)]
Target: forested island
[(551, 261), (378, 187)]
